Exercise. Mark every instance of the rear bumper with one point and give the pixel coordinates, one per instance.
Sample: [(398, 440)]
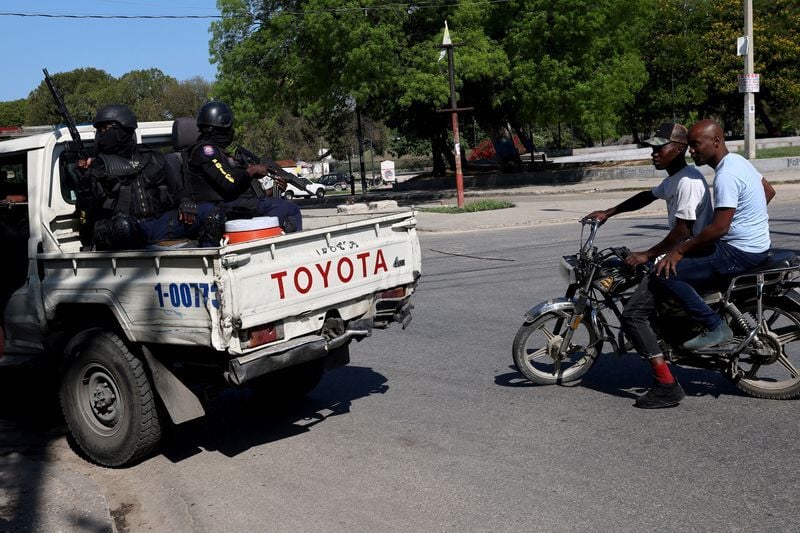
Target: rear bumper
[(247, 367)]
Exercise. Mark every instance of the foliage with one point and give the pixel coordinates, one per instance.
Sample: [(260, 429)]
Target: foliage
[(786, 151), (12, 113), (150, 93), (296, 71), (472, 207), (692, 65)]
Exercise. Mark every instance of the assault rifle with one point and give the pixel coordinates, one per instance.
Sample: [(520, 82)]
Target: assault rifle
[(61, 107), (246, 156)]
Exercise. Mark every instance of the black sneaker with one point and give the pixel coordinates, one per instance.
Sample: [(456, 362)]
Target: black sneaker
[(661, 395)]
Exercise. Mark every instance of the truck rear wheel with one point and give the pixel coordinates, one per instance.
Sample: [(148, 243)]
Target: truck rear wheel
[(109, 403)]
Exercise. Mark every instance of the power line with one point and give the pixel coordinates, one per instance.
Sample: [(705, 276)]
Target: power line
[(410, 7), (64, 16)]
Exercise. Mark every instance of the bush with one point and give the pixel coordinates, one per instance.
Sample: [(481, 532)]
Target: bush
[(480, 205)]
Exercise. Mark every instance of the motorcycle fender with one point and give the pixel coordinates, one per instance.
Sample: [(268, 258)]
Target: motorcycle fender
[(556, 304)]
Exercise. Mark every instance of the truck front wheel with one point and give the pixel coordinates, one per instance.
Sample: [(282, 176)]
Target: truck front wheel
[(109, 403)]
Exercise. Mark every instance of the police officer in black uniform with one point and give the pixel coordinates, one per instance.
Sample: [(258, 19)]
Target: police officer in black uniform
[(122, 191), (216, 177)]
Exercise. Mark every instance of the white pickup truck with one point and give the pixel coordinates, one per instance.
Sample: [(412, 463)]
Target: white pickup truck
[(138, 336)]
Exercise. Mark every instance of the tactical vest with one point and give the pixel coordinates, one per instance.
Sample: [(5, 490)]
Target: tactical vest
[(140, 188)]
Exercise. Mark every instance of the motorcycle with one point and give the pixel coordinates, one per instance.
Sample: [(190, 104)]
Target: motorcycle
[(562, 338)]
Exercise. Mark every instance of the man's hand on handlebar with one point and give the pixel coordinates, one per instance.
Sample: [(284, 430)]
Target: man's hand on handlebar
[(599, 216)]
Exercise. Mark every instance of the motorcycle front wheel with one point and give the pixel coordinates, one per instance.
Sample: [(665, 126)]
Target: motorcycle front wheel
[(537, 348), (772, 371)]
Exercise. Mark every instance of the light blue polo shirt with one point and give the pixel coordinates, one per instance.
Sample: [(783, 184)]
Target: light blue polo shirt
[(738, 184)]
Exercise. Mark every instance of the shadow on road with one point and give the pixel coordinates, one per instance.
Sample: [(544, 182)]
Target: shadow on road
[(30, 420), (239, 419), (629, 376)]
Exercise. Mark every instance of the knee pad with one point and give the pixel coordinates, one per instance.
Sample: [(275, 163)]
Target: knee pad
[(120, 232)]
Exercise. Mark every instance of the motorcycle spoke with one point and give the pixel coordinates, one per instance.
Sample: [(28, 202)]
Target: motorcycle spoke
[(787, 334), (550, 335), (538, 353), (771, 320), (751, 374), (784, 361)]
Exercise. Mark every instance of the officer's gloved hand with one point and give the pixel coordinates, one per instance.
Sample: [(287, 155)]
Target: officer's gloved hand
[(187, 211)]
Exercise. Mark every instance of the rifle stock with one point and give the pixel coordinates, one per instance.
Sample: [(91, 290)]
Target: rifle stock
[(61, 107)]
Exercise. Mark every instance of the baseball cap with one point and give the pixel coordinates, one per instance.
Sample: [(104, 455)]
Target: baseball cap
[(666, 133)]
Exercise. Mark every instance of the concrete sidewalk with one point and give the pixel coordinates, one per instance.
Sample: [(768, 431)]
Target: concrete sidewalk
[(537, 204)]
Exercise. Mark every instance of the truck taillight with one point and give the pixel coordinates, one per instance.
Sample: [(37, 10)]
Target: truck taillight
[(263, 334), (397, 292)]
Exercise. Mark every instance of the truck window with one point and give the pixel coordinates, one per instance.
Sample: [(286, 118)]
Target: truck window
[(13, 175), (67, 162), (13, 224)]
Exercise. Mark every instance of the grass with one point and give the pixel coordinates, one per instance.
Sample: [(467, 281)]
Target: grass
[(784, 151), (480, 205)]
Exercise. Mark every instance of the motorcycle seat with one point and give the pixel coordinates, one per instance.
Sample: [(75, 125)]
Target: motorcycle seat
[(776, 259), (775, 268)]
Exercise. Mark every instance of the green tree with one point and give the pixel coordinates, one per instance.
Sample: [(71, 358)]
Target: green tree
[(184, 98), (84, 91), (692, 64), (12, 113), (145, 92)]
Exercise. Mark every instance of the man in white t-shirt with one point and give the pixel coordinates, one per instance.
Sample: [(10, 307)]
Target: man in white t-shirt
[(689, 210), (738, 233)]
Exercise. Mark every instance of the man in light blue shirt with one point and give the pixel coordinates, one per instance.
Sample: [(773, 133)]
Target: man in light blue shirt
[(738, 233)]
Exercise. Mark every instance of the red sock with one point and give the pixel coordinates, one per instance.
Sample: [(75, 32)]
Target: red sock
[(661, 371)]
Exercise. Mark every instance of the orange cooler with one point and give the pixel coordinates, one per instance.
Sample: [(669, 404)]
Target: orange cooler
[(251, 229)]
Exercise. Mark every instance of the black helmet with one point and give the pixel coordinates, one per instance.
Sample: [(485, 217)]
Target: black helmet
[(118, 113), (216, 114)]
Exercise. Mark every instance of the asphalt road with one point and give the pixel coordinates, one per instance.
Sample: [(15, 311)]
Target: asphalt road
[(432, 429)]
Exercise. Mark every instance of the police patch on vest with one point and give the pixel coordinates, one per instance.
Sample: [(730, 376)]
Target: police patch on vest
[(208, 150)]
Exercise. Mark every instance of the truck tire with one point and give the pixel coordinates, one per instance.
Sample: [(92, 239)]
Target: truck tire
[(109, 403)]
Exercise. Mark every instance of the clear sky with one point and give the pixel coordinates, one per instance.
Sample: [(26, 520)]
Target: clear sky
[(178, 47)]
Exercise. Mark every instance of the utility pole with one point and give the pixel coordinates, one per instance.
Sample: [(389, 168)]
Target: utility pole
[(361, 151), (454, 109), (750, 89)]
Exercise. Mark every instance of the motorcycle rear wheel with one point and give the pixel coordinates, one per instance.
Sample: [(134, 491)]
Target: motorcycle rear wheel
[(537, 344), (776, 378)]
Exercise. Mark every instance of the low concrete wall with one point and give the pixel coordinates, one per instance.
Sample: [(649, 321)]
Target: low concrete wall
[(577, 175)]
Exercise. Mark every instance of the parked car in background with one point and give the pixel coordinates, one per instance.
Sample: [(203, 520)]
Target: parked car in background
[(315, 189), (335, 182)]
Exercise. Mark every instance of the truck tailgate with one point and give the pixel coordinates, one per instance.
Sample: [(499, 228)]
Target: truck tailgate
[(296, 279)]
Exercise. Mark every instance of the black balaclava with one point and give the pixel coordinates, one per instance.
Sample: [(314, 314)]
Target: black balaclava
[(220, 136), (116, 141)]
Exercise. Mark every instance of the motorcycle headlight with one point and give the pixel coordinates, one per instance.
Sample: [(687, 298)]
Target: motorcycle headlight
[(568, 269)]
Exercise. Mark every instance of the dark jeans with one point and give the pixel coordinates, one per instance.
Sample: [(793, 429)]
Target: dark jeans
[(169, 227), (705, 273), (639, 311)]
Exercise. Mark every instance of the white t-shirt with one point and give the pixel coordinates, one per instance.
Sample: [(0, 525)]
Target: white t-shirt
[(687, 197), (738, 184)]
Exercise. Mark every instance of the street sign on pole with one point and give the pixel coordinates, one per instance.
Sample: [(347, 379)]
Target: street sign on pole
[(749, 83)]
